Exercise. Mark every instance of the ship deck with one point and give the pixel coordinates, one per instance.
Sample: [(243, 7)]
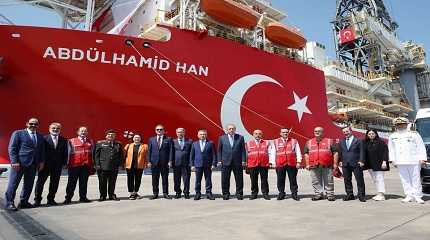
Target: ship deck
[(233, 219)]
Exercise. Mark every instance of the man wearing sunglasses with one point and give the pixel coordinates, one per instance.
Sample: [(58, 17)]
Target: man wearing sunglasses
[(26, 154), (160, 157)]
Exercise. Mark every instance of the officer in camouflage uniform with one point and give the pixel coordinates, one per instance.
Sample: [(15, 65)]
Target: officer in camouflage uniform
[(107, 159)]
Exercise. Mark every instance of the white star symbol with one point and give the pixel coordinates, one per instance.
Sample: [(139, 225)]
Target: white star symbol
[(300, 106)]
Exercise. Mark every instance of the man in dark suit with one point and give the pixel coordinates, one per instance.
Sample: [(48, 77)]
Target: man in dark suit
[(203, 161), (232, 155), (181, 166), (55, 159), (351, 157), (160, 156), (26, 154)]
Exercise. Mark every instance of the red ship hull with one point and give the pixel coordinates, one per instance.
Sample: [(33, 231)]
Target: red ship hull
[(44, 76)]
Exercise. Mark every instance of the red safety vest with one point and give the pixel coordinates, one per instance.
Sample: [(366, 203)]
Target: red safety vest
[(258, 154), (285, 152), (81, 153), (320, 153)]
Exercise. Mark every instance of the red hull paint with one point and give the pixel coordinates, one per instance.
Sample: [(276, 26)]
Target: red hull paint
[(103, 96)]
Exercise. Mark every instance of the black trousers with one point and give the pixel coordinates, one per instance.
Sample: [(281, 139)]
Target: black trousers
[(207, 171), (292, 178), (107, 182), (54, 173), (183, 172), (134, 179), (77, 173), (225, 178), (164, 172), (263, 172), (347, 177)]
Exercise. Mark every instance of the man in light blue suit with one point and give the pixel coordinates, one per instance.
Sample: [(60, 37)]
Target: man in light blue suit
[(26, 155), (203, 161)]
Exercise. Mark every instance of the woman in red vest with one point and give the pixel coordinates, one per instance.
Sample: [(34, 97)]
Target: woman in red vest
[(80, 165), (258, 163)]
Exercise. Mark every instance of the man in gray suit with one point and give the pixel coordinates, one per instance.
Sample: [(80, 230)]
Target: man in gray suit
[(351, 158), (232, 156)]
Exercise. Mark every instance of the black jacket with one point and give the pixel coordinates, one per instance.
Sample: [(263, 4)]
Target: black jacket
[(375, 153), (55, 157), (182, 155), (351, 156), (108, 157)]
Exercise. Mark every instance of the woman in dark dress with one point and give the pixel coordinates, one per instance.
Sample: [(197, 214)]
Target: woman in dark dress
[(376, 161)]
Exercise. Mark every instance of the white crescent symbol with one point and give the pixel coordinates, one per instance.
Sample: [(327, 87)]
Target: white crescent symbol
[(347, 34), (230, 106)]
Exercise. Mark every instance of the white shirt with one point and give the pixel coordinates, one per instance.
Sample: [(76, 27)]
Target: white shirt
[(202, 144), (348, 141), (230, 139), (272, 152), (406, 147), (54, 140)]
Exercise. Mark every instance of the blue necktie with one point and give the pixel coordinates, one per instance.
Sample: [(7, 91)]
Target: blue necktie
[(348, 143), (33, 137)]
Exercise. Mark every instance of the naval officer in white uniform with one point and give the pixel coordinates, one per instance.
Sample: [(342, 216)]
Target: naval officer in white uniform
[(407, 151)]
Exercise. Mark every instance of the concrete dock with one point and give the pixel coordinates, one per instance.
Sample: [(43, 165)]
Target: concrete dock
[(219, 219)]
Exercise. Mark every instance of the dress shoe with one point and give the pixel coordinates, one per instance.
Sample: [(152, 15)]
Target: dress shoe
[(348, 197), (52, 203), (239, 197), (37, 203), (113, 198), (226, 197), (419, 200), (331, 198), (407, 199), (166, 196), (24, 205), (253, 197), (362, 198), (317, 197), (281, 196), (155, 196), (67, 201), (210, 196), (138, 196), (295, 197), (186, 195), (177, 196), (11, 207), (102, 199), (84, 200), (266, 196), (198, 196), (379, 197), (132, 197)]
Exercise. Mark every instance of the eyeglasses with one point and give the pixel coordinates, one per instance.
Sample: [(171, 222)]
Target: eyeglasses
[(33, 124), (159, 129)]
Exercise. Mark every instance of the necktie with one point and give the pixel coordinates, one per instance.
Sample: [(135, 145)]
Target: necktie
[(181, 143), (348, 143), (202, 145), (159, 141), (230, 139), (55, 140), (33, 137)]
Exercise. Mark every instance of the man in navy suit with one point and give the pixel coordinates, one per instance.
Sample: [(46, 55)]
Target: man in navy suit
[(181, 166), (202, 161), (26, 154), (56, 153), (160, 156), (351, 157), (232, 155)]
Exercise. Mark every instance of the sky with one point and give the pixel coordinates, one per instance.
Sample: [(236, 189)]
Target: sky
[(313, 17)]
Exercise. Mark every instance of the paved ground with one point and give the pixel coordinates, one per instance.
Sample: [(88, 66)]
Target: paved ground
[(233, 219)]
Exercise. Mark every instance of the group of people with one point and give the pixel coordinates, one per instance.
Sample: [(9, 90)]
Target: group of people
[(31, 153)]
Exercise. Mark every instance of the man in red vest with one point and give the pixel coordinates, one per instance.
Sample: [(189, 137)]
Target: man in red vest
[(321, 157), (286, 156), (258, 164), (80, 165)]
